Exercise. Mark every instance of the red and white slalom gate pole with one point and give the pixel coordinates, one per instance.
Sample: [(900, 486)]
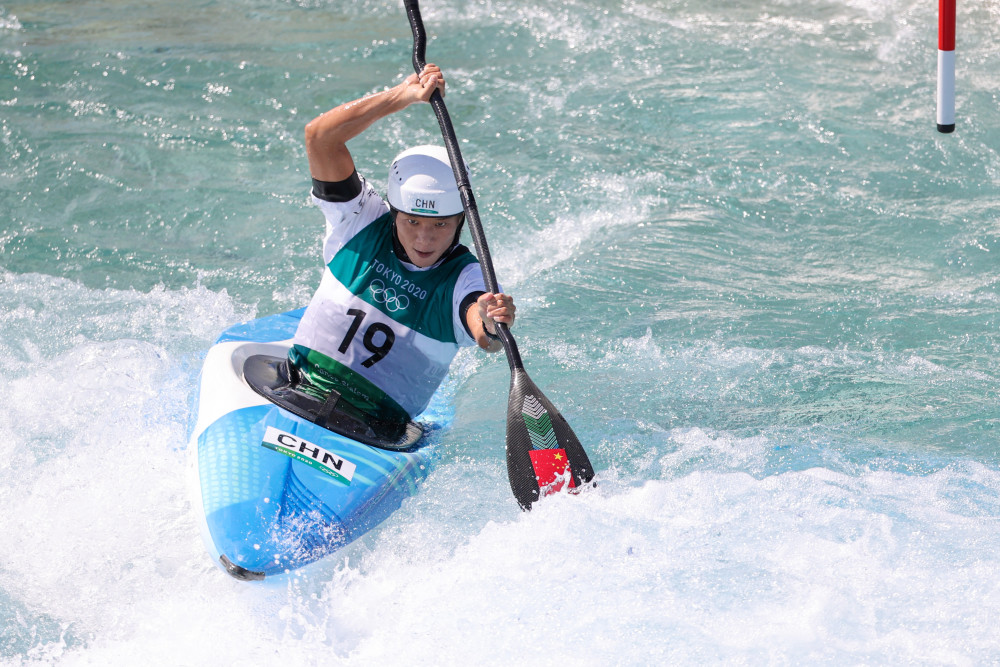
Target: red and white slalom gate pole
[(946, 66)]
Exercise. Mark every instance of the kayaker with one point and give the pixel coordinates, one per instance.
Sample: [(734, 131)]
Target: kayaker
[(399, 295)]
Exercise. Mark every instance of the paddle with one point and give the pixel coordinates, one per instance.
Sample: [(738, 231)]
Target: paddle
[(540, 443)]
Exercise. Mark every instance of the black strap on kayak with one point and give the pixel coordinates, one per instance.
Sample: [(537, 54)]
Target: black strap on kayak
[(329, 406)]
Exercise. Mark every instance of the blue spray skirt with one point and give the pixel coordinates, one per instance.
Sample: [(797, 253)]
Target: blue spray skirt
[(275, 491)]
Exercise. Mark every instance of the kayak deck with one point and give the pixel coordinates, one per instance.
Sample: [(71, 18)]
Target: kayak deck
[(275, 491)]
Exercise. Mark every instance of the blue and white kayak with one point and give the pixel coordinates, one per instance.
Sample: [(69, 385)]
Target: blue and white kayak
[(276, 491)]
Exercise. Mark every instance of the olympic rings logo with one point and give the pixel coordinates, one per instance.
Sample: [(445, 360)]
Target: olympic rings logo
[(387, 295)]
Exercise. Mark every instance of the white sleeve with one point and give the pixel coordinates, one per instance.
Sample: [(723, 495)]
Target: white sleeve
[(345, 219), (469, 280)]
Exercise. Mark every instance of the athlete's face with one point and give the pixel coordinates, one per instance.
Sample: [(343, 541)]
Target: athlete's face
[(425, 240)]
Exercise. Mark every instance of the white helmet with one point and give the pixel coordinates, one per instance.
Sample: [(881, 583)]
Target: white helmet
[(421, 182)]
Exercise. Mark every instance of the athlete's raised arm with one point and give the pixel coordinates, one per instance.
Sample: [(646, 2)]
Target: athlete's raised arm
[(327, 134)]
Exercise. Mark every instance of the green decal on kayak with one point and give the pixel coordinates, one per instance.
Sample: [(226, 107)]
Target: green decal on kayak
[(312, 455), (538, 423)]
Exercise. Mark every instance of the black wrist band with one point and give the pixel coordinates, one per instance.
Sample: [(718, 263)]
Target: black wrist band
[(491, 336)]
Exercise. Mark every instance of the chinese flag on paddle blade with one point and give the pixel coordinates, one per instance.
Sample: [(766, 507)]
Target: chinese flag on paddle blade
[(550, 464)]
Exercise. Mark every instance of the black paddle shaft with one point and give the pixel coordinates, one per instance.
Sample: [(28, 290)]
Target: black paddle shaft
[(462, 179), (535, 427)]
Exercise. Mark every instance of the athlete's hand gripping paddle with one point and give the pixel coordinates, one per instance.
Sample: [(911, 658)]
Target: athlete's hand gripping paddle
[(541, 446)]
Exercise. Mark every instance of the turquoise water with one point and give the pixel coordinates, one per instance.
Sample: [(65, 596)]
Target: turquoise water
[(759, 284)]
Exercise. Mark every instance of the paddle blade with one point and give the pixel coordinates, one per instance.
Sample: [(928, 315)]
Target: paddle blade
[(541, 446)]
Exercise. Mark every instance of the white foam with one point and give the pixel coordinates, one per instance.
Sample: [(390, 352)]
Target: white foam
[(716, 562), (807, 565)]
